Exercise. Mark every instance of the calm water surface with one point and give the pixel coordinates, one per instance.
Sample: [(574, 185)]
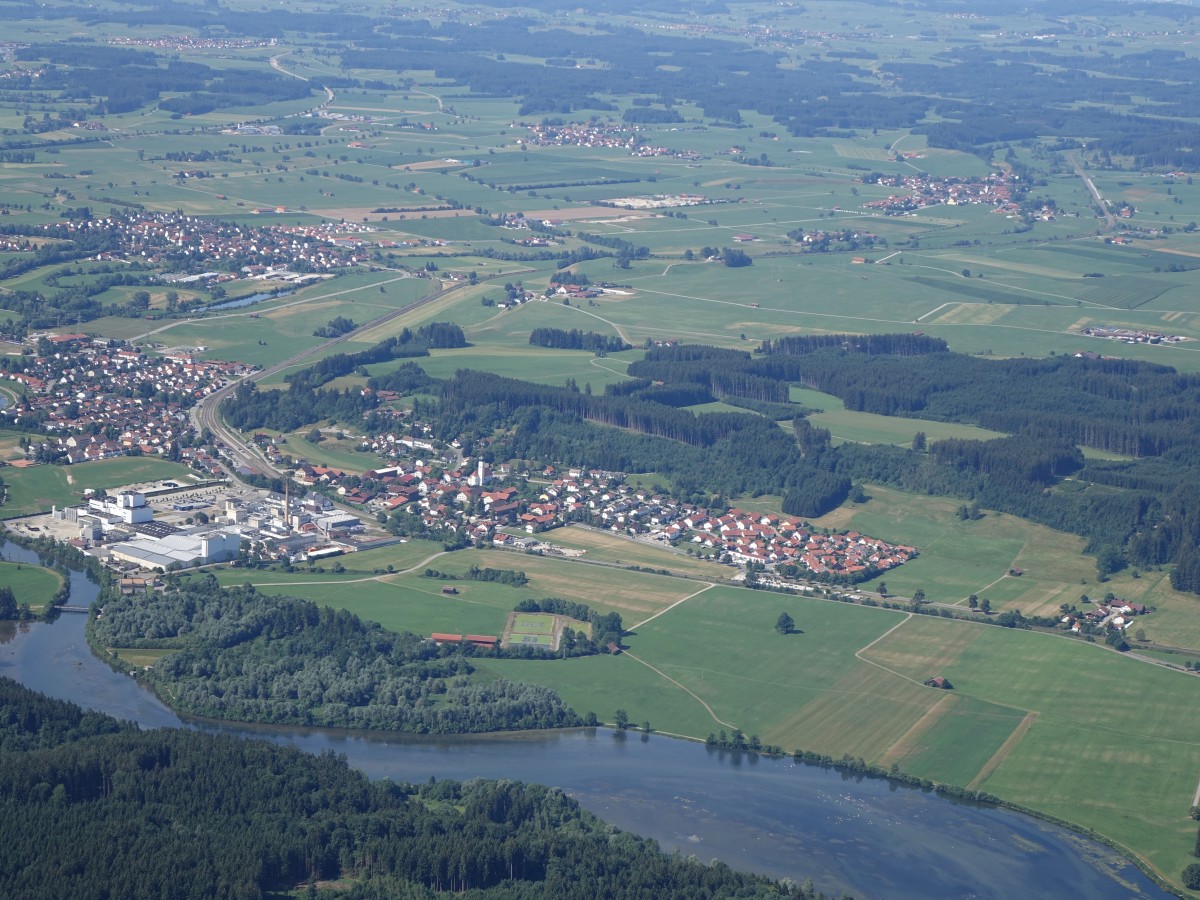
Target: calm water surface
[(865, 837)]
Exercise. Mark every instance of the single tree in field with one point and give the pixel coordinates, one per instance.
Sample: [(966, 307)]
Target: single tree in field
[(973, 601), (621, 718), (784, 624), (986, 606), (882, 588)]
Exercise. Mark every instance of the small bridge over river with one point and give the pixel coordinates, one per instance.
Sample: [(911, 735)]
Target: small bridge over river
[(75, 609)]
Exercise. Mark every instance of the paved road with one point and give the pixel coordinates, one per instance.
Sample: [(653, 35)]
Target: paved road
[(1110, 221), (206, 413)]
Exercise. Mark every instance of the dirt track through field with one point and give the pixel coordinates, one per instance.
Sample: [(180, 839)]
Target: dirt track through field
[(671, 607), (1001, 754), (909, 739), (687, 691)]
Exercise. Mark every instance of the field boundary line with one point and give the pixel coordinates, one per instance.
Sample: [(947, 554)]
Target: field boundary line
[(382, 576), (669, 608), (686, 690), (613, 325), (904, 743), (1003, 750), (858, 654), (862, 650)]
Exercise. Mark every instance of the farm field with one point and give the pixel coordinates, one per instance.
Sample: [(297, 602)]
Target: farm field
[(409, 601), (850, 682), (962, 557), (37, 488), (34, 585)]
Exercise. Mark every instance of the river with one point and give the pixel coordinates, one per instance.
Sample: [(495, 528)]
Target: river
[(866, 837)]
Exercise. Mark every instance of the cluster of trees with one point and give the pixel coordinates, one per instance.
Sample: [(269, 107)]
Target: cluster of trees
[(510, 577), (729, 256), (243, 656), (407, 378), (408, 343), (575, 339), (1121, 406), (336, 327), (626, 251), (726, 373), (84, 799), (249, 408), (870, 344), (9, 607)]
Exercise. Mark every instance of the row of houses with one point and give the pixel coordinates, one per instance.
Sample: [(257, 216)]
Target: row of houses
[(734, 535)]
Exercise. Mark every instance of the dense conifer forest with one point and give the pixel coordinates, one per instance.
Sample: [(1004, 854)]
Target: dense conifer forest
[(94, 808)]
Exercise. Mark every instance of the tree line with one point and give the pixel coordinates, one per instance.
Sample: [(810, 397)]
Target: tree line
[(576, 339)]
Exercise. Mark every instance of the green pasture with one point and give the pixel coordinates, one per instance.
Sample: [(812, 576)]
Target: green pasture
[(138, 659), (958, 558), (411, 603), (361, 566), (274, 330), (339, 454), (37, 488), (10, 441), (34, 585), (848, 426), (605, 588), (1154, 742), (530, 364)]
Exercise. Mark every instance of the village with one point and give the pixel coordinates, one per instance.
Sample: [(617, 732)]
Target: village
[(921, 190), (591, 134), (100, 398), (182, 243)]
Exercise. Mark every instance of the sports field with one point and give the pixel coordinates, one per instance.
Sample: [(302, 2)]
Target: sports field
[(532, 630)]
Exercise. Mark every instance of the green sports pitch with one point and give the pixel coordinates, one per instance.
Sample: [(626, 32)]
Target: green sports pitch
[(528, 624)]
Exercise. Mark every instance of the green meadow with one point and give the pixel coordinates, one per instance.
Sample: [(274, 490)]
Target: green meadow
[(34, 585), (37, 488)]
